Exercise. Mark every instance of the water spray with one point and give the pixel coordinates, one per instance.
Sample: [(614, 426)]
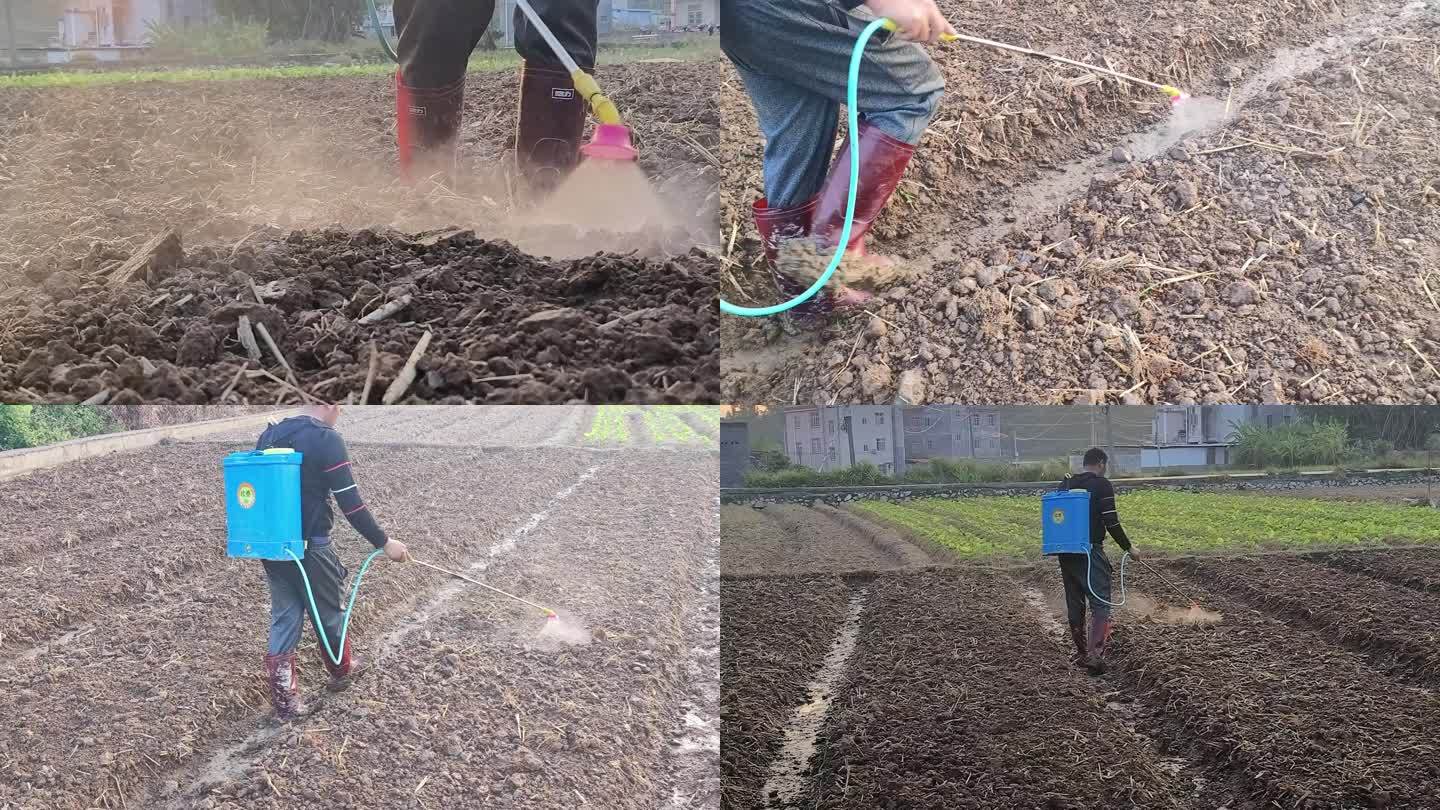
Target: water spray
[(852, 119)]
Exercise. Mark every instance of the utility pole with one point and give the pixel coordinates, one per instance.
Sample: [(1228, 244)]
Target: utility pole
[(849, 438), (1109, 437), (10, 33)]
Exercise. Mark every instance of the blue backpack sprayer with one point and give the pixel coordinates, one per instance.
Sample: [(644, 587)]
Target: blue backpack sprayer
[(262, 522), (852, 118), (1065, 529)]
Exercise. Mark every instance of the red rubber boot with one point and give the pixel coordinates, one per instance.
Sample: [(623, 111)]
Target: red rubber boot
[(427, 130), (779, 225), (1077, 636), (882, 163), (1099, 637), (283, 677), (344, 673)]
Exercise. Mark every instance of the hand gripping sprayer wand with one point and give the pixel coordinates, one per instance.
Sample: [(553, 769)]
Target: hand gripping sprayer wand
[(853, 121)]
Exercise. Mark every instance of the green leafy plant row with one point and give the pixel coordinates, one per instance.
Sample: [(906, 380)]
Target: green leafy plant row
[(1164, 521), (609, 426)]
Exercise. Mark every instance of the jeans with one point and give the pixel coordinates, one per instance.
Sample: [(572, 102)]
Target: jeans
[(289, 605), (1077, 595), (794, 57)]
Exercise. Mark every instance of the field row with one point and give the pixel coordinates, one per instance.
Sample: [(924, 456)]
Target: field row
[(670, 425), (1160, 521), (958, 693)]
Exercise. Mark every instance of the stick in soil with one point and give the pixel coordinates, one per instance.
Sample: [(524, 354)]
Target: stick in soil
[(370, 375), (386, 311), (97, 398), (247, 339), (275, 350), (402, 382), (245, 366), (297, 389)]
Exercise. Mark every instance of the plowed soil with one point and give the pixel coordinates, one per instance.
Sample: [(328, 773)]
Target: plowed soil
[(1244, 250), (802, 539), (506, 328), (153, 675), (116, 164), (959, 692), (92, 173)]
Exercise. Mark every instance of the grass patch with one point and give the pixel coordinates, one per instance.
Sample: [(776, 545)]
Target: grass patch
[(488, 62), (1163, 521)]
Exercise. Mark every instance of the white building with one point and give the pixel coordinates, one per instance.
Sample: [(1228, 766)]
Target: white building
[(841, 436)]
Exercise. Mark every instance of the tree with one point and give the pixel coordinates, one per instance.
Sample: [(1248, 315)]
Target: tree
[(330, 20), (37, 425)]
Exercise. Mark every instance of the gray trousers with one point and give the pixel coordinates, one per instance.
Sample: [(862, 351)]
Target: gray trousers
[(794, 57), (1077, 595), (436, 37), (289, 604)]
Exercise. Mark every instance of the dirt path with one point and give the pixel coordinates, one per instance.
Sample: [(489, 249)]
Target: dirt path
[(161, 655), (789, 539), (1183, 277)]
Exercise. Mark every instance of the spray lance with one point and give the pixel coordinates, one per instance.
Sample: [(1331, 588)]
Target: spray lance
[(852, 119), (262, 521), (611, 139)]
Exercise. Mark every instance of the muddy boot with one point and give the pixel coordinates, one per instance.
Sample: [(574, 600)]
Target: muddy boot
[(776, 226), (1077, 636), (283, 677), (1099, 637), (882, 163), (344, 673), (427, 130), (552, 124)]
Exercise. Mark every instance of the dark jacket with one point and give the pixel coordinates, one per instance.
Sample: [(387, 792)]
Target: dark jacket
[(1103, 516), (325, 471)]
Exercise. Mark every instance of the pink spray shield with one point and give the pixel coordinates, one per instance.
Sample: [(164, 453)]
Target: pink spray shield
[(610, 142)]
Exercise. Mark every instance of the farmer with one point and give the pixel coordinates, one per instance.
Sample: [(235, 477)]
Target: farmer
[(436, 38), (1073, 567), (325, 471), (794, 58)]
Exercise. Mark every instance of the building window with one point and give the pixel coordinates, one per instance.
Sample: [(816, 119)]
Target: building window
[(879, 418), (864, 420), (799, 450), (830, 426), (697, 17), (815, 420), (797, 421), (814, 445), (915, 423), (879, 445), (866, 447), (832, 455), (975, 419), (929, 444), (990, 420)]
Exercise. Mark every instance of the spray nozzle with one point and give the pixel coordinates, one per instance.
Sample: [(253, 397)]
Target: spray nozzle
[(550, 615)]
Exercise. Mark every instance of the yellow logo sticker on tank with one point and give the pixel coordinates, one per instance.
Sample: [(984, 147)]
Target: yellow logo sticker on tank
[(1057, 517), (245, 495)]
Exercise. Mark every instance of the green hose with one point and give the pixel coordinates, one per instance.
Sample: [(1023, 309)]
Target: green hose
[(380, 33), (354, 589), (853, 119)]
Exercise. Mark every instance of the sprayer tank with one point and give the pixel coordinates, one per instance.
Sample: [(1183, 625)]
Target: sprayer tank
[(1065, 526), (262, 504)]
